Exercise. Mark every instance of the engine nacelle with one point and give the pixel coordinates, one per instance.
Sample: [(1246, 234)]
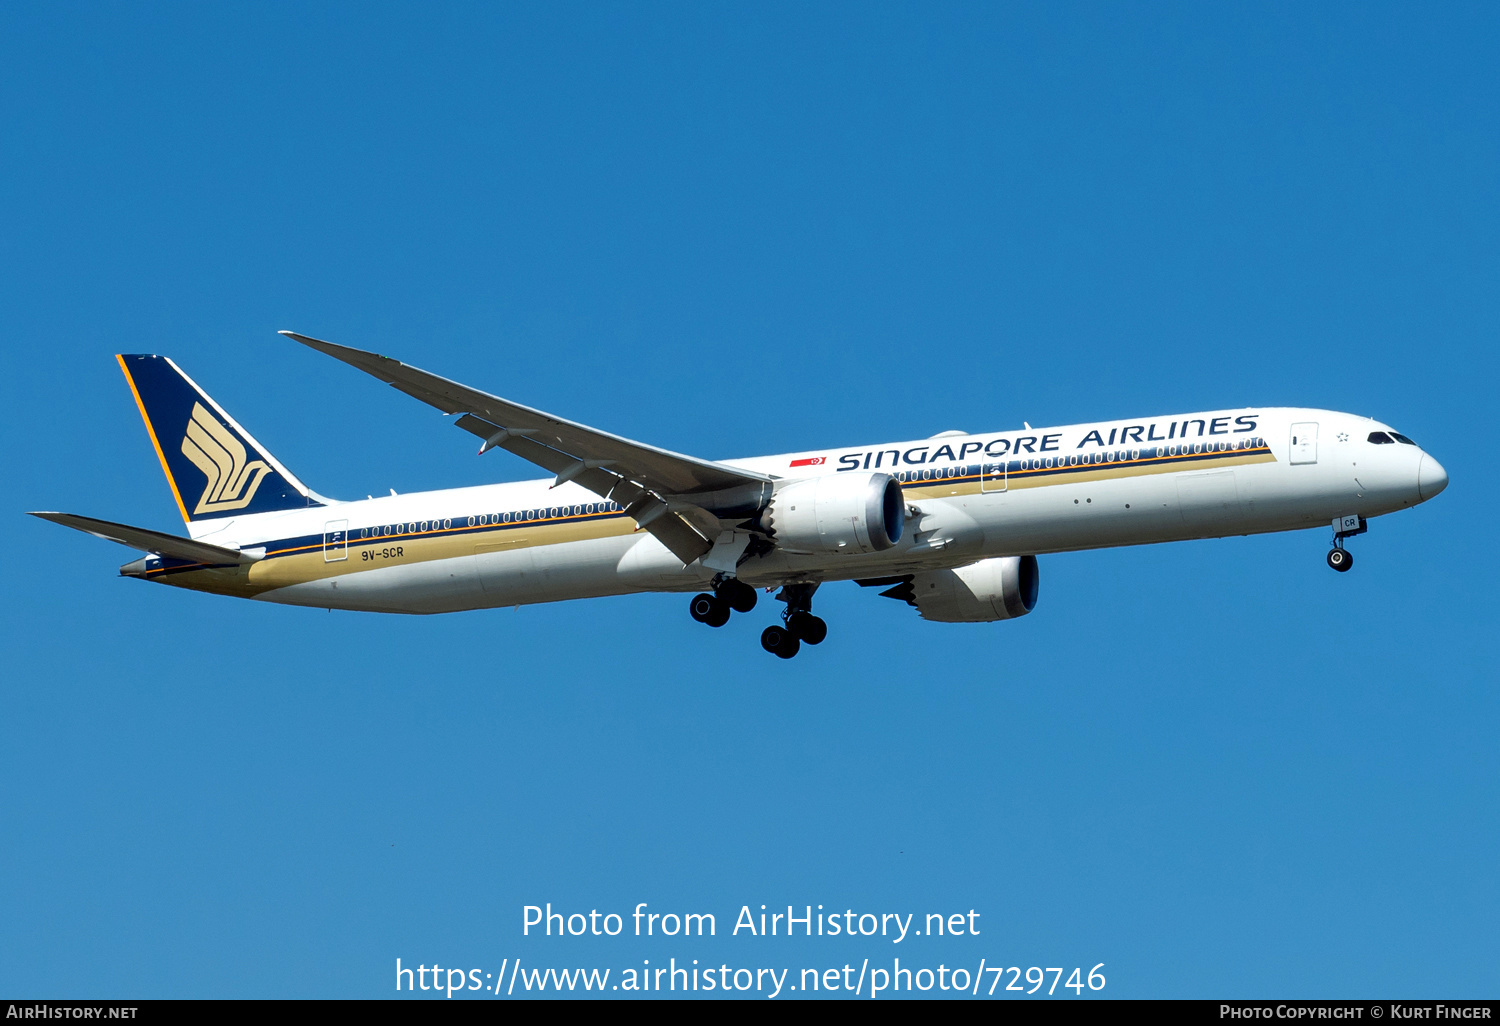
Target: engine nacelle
[(992, 589), (851, 513)]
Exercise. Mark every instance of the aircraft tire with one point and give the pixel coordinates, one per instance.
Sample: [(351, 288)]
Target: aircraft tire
[(809, 628), (740, 596), (779, 642), (703, 607), (1340, 560), (719, 615)]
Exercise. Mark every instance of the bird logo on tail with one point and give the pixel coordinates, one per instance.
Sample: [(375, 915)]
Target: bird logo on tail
[(232, 480)]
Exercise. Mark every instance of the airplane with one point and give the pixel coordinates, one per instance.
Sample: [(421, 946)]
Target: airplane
[(951, 525)]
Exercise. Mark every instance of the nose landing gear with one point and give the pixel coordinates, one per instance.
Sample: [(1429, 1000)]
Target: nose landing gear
[(1340, 558)]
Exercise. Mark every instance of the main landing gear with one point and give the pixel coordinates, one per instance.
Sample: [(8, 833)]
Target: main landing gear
[(800, 624), (728, 594), (1340, 558)]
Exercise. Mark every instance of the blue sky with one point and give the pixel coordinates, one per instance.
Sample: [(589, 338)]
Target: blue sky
[(1216, 767)]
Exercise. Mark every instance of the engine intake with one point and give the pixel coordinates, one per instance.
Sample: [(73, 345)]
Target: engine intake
[(1002, 588), (851, 513)]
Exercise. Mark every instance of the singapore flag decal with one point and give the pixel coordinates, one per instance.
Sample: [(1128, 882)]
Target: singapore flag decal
[(811, 461)]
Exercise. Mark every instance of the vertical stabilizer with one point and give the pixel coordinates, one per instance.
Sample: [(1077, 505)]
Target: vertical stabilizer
[(215, 468)]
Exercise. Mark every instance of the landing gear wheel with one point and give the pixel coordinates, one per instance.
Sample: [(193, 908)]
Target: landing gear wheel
[(701, 606), (1340, 560), (740, 596), (809, 628), (779, 642), (706, 608)]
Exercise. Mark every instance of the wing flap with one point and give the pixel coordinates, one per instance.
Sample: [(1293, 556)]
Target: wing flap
[(679, 537), (675, 526), (146, 540)]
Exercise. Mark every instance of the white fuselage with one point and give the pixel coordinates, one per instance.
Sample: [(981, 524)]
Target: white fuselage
[(968, 497)]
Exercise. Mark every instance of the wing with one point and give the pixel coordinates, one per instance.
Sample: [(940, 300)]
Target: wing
[(675, 497), (146, 540)]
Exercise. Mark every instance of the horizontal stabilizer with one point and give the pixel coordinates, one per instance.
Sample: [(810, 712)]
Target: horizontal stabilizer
[(169, 545)]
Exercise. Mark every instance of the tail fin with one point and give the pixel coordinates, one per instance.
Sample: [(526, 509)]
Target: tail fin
[(213, 465)]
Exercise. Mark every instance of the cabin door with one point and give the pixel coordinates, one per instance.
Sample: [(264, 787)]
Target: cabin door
[(1304, 443)]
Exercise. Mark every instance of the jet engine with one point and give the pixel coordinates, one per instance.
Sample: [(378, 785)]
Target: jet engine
[(992, 589), (850, 513)]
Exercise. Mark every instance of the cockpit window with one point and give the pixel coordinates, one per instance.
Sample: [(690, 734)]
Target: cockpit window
[(1402, 439), (1380, 438)]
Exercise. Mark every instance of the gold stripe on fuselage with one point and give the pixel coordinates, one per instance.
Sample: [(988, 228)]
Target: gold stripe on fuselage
[(284, 567), (305, 563)]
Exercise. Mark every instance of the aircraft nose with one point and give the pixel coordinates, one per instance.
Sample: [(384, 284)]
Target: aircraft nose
[(1431, 478)]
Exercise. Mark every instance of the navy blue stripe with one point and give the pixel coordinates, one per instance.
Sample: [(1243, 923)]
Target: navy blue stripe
[(964, 473), (314, 542)]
